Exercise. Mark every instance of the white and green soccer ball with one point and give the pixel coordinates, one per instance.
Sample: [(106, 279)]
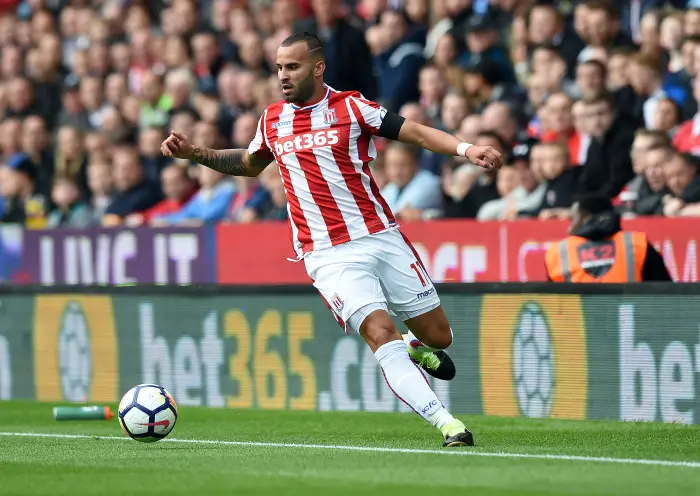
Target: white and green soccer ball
[(147, 413)]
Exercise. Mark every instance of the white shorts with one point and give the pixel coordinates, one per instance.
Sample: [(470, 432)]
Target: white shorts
[(380, 271)]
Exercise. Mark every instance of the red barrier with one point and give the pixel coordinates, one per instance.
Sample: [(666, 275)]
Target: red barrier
[(452, 250)]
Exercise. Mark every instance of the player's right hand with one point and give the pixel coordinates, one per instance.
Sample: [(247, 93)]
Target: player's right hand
[(177, 145)]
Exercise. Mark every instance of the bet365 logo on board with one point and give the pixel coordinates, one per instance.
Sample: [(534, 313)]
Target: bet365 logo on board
[(533, 356)]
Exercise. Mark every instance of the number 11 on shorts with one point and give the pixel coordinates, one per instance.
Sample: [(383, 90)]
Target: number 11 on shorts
[(420, 272)]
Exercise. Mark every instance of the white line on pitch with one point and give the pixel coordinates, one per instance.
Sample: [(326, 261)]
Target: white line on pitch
[(452, 452)]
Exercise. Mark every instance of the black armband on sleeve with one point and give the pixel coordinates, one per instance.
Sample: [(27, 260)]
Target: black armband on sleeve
[(391, 125)]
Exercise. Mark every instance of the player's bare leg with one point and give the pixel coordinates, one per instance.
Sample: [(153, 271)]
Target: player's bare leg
[(406, 380), (429, 334)]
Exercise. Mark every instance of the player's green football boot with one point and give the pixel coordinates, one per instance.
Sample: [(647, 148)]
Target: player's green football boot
[(436, 363), (456, 434)]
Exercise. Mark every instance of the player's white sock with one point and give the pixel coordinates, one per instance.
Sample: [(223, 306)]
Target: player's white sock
[(424, 346), (408, 383)]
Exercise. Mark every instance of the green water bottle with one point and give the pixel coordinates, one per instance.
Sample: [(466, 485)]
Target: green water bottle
[(82, 413)]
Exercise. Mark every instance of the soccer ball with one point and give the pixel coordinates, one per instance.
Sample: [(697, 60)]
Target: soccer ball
[(147, 413)]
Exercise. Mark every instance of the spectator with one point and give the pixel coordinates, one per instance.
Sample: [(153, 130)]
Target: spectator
[(93, 101), (36, 146), (454, 110), (411, 193), (208, 205), (646, 78), (21, 204), (548, 63), (608, 166), (96, 144), (470, 128), (546, 26), (180, 85), (653, 188), (687, 139), (583, 124), (590, 78), (644, 141), (531, 189), (683, 181), (155, 104), (21, 102), (345, 69), (70, 210), (10, 137), (560, 125), (603, 20), (433, 88), (274, 202), (178, 188), (152, 159), (73, 113), (101, 185), (499, 119), (70, 159), (667, 117), (208, 61), (562, 181), (616, 68), (685, 76), (483, 44), (510, 193), (484, 84), (134, 191), (116, 89), (184, 120), (691, 22), (427, 160), (398, 58), (251, 53), (446, 52)]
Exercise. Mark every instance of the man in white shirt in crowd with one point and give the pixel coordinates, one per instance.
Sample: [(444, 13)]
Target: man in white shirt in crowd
[(411, 193)]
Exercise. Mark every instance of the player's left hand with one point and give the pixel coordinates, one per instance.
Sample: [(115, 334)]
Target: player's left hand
[(485, 156)]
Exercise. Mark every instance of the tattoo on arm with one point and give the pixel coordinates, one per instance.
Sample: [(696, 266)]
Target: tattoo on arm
[(228, 162)]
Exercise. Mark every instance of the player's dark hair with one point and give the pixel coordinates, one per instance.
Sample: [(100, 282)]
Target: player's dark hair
[(313, 42), (594, 203)]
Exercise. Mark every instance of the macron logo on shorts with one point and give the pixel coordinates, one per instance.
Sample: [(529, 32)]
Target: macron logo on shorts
[(425, 294)]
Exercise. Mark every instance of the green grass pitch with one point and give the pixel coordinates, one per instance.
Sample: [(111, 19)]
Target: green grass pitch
[(300, 453)]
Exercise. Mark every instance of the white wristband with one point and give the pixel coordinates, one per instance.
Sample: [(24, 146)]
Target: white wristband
[(462, 149)]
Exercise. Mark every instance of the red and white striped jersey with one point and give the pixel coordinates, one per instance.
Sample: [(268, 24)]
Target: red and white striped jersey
[(323, 152)]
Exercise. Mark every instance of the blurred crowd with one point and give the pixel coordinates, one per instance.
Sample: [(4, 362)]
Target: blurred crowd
[(580, 96)]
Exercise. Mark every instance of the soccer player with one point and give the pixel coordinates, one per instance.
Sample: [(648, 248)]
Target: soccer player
[(343, 230)]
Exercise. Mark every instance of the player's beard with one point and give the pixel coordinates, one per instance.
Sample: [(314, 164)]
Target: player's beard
[(303, 91)]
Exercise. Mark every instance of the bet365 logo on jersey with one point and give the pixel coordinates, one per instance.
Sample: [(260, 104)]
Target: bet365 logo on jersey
[(306, 141)]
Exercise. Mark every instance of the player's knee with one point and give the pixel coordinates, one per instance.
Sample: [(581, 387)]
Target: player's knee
[(442, 337), (378, 329)]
